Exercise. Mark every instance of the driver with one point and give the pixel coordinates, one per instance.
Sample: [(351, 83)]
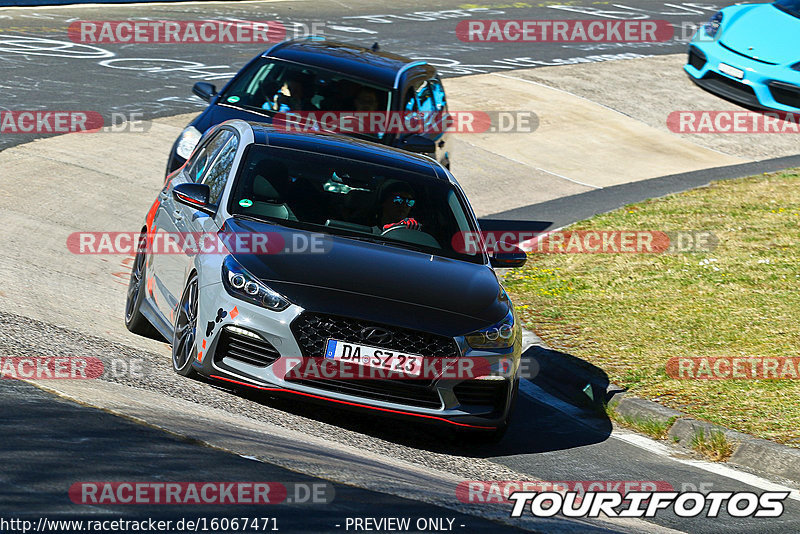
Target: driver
[(396, 204), (300, 86)]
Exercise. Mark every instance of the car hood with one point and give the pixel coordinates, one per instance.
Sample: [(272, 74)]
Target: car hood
[(221, 112), (380, 283), (773, 35)]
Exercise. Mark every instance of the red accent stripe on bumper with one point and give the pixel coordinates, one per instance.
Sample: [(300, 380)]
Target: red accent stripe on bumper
[(284, 390)]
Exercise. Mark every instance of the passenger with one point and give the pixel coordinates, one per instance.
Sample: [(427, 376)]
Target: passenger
[(366, 100), (341, 96)]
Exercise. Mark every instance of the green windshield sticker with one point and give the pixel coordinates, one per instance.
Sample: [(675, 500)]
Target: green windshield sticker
[(245, 203), (233, 99)]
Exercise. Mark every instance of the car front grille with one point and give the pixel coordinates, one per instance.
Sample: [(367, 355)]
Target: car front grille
[(482, 393), (312, 331), (696, 58), (243, 348), (786, 94), (729, 88)]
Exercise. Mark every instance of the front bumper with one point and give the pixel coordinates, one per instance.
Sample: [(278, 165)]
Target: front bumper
[(245, 345), (762, 86)]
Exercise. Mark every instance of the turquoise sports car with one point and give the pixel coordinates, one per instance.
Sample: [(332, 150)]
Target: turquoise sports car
[(750, 53)]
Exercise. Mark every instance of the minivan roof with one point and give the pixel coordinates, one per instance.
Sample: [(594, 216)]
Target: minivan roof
[(349, 59)]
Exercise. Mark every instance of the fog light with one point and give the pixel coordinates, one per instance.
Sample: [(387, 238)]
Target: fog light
[(242, 332)]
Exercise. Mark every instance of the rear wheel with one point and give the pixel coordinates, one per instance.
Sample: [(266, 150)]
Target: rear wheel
[(184, 333), (134, 320)]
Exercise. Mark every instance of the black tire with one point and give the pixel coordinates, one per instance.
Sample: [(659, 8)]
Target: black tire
[(184, 332), (134, 320)]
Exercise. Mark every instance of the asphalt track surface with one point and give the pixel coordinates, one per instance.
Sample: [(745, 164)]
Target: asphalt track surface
[(108, 447), (50, 443), (43, 69)]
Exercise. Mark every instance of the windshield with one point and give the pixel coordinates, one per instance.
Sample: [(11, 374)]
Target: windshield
[(277, 86), (790, 6), (336, 195)]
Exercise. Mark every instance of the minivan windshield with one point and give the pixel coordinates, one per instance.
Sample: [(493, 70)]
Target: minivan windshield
[(355, 199), (277, 86)]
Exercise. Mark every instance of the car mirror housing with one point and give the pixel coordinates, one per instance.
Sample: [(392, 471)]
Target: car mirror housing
[(205, 90), (512, 256), (195, 196), (418, 143)]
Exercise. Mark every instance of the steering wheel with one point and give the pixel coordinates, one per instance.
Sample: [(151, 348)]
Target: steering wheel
[(393, 228)]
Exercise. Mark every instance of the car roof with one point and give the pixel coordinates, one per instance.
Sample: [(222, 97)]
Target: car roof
[(347, 147), (349, 59)]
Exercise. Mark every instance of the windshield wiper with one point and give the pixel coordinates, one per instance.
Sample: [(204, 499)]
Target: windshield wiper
[(279, 222), (249, 218), (407, 245)]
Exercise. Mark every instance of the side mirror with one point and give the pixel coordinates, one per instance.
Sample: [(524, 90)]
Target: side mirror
[(195, 196), (418, 143), (205, 90), (512, 256)]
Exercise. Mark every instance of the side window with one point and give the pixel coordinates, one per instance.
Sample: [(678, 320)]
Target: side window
[(430, 100), (438, 93), (410, 100), (205, 155), (425, 99), (217, 175)]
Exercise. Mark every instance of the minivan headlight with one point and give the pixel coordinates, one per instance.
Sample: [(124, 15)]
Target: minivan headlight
[(498, 336), (187, 141), (242, 285)]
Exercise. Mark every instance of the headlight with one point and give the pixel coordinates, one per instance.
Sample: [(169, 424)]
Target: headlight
[(796, 66), (712, 26), (242, 285), (187, 141), (499, 336)]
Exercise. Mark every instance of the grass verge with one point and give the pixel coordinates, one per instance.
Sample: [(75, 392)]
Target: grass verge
[(650, 427), (715, 446), (630, 313)]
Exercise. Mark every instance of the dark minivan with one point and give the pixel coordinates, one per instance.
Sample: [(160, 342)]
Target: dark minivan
[(314, 74)]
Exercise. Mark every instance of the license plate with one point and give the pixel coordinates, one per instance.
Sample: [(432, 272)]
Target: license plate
[(377, 357), (731, 71)]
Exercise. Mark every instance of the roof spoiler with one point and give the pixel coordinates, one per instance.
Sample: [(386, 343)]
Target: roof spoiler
[(295, 40), (405, 68)]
